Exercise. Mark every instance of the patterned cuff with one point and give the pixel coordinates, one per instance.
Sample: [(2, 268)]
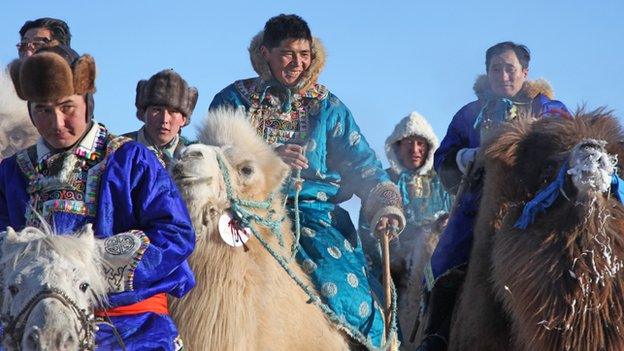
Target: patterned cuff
[(383, 199), (389, 210), (122, 253)]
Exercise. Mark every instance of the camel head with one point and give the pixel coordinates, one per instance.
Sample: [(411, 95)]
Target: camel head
[(50, 286), (559, 251), (585, 148), (254, 171), (16, 130)]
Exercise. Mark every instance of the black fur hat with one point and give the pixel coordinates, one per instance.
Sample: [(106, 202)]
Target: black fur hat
[(166, 88)]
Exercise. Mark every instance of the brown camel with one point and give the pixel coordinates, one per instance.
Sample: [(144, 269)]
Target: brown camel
[(244, 300), (558, 284)]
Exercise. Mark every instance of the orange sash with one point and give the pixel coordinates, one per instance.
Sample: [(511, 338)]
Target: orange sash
[(155, 304)]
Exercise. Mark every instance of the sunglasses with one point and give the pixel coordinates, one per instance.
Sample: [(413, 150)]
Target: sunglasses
[(33, 45)]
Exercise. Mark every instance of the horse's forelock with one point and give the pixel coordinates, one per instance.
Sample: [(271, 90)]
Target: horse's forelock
[(69, 247)]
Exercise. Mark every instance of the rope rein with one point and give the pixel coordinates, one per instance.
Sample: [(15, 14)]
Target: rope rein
[(240, 210)]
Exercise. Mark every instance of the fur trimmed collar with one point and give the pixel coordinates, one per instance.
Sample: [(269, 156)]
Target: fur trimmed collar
[(529, 91), (308, 78), (414, 124)]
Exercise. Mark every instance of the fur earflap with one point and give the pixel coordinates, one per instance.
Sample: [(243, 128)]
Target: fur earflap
[(84, 75), (308, 78), (414, 124), (530, 90), (47, 76), (166, 88)]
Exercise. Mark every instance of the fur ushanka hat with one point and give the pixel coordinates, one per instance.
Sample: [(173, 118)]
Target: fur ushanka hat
[(166, 88), (53, 73)]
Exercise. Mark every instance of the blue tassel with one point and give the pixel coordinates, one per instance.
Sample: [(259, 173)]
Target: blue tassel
[(616, 187)]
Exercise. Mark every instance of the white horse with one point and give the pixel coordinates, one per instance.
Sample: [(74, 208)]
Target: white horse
[(51, 284)]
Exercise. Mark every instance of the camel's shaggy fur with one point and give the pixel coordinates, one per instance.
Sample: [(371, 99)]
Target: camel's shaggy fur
[(243, 299), (558, 284), (16, 130)]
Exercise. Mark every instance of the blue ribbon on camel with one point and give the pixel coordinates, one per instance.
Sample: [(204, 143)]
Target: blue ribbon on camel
[(545, 198)]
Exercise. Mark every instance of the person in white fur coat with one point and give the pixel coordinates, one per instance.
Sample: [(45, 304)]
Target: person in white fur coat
[(410, 150)]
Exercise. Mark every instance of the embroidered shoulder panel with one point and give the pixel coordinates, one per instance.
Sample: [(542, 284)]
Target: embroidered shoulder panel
[(275, 122), (67, 182)]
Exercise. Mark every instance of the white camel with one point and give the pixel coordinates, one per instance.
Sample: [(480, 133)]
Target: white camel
[(244, 299), (16, 130)]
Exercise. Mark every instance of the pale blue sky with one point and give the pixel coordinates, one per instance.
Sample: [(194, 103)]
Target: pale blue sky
[(385, 58)]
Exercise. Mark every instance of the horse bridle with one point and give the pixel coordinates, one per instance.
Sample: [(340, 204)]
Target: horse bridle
[(14, 325)]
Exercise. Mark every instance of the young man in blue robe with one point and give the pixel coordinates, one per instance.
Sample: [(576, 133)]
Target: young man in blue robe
[(316, 134), (504, 94), (165, 103), (79, 173)]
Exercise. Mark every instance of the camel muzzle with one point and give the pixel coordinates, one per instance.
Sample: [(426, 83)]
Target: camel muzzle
[(591, 167)]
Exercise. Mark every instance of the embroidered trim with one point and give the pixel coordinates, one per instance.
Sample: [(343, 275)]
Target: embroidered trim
[(382, 195), (123, 253), (138, 255), (267, 116), (178, 344), (97, 148), (74, 186)]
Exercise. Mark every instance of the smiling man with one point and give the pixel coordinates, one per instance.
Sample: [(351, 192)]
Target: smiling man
[(503, 94), (165, 103), (316, 134)]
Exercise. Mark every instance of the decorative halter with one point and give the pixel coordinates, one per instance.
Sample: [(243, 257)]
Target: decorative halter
[(240, 210), (546, 197), (14, 325)]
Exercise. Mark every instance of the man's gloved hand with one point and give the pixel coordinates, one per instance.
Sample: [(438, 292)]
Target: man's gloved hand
[(389, 224), (464, 157)]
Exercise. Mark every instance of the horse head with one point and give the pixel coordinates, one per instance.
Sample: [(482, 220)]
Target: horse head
[(50, 287)]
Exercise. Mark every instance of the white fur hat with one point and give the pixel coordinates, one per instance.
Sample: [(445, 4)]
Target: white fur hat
[(414, 124)]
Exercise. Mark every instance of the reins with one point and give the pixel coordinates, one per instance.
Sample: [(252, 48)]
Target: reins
[(240, 210), (14, 325)]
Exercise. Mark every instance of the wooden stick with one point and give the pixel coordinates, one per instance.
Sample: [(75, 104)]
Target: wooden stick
[(387, 280)]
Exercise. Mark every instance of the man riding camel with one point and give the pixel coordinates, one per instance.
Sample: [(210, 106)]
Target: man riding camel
[(315, 134), (165, 103), (504, 94), (79, 173), (410, 150)]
